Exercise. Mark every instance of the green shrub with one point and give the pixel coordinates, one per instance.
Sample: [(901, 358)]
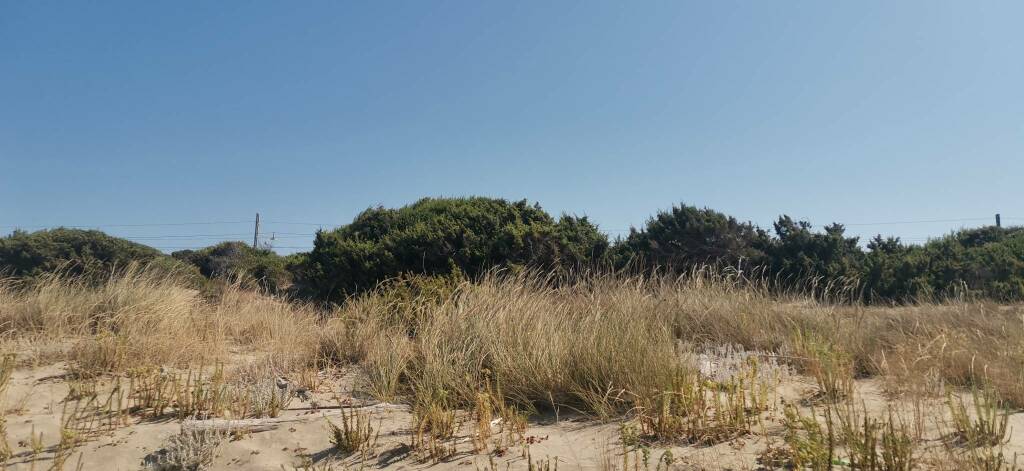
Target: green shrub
[(76, 252), (987, 262), (437, 236), (685, 236), (237, 260), (465, 237), (821, 259)]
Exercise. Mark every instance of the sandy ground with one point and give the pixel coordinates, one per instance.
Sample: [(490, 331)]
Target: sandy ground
[(34, 403)]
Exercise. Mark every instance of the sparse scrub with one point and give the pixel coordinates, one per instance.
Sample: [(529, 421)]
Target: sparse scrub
[(863, 436), (187, 451), (6, 370), (698, 412), (689, 360), (434, 428), (987, 427), (266, 398), (810, 440), (830, 367), (197, 393), (899, 445), (483, 414), (844, 435), (356, 433)]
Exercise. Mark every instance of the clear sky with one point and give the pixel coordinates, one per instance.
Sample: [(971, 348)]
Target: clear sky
[(170, 112)]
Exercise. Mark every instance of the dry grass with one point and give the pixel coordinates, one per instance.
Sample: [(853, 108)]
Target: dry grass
[(6, 370), (139, 318), (545, 346), (595, 345), (607, 346)]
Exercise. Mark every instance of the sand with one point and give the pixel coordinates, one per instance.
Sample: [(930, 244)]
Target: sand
[(35, 401)]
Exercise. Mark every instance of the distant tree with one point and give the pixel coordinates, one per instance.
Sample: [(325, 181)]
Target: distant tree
[(800, 254), (890, 270), (686, 236), (986, 262)]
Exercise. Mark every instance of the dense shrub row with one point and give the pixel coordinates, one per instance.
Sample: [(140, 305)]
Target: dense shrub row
[(464, 237), (986, 262), (442, 236), (77, 252)]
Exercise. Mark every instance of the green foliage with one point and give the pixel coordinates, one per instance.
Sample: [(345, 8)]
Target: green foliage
[(237, 260), (439, 236), (79, 252), (810, 444), (446, 240), (986, 262), (799, 254), (686, 236)]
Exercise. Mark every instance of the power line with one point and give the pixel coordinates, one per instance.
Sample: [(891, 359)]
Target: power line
[(287, 236), (193, 247), (224, 237), (186, 236), (301, 223), (129, 225), (310, 234), (920, 221)]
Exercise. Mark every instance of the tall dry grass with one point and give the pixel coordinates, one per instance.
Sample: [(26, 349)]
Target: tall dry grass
[(599, 343), (580, 346), (140, 317)]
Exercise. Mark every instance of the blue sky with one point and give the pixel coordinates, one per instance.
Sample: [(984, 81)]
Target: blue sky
[(168, 112)]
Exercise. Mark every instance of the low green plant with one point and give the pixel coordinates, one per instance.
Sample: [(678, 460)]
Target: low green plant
[(987, 427), (898, 445), (860, 433), (875, 444), (434, 428), (809, 444), (7, 365), (36, 442), (356, 433), (831, 367), (698, 412)]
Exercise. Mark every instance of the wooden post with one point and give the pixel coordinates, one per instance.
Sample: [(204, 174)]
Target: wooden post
[(256, 231)]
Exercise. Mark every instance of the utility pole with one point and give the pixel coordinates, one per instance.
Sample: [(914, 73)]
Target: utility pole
[(256, 231), (998, 222)]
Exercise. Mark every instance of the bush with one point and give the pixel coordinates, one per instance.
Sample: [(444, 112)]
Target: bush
[(686, 236), (461, 238), (237, 260), (79, 252), (801, 255), (986, 262), (439, 236)]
